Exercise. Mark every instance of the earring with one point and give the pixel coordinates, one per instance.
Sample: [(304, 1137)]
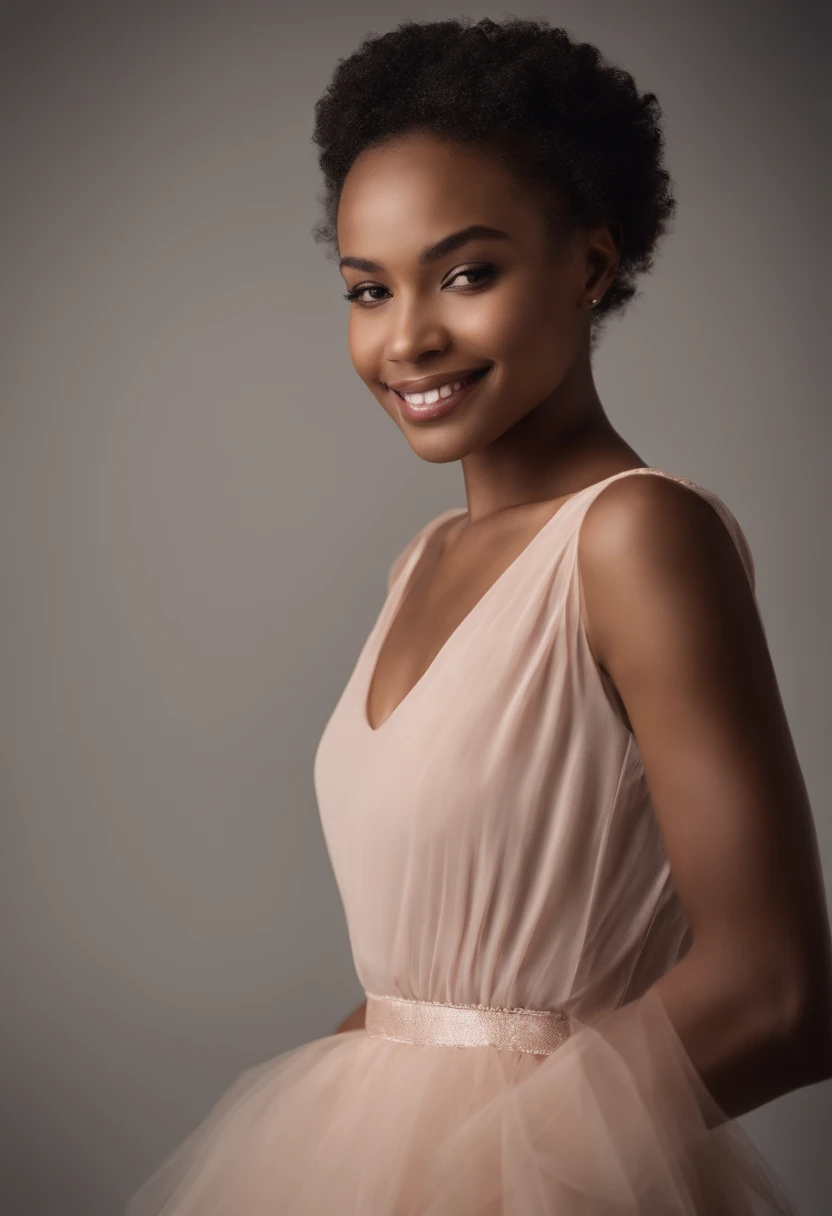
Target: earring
[(593, 302)]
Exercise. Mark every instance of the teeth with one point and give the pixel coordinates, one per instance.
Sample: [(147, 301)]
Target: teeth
[(432, 395)]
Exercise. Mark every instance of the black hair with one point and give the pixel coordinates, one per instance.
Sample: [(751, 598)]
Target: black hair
[(548, 107)]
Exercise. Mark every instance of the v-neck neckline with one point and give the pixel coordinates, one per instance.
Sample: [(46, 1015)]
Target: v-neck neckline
[(397, 597), (408, 577)]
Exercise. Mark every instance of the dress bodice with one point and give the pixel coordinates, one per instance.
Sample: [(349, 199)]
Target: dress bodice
[(493, 840)]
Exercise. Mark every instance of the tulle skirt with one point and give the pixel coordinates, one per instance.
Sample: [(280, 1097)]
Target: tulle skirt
[(615, 1121)]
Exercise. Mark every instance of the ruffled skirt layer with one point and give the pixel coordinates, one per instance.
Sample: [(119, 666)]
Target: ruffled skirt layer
[(615, 1121)]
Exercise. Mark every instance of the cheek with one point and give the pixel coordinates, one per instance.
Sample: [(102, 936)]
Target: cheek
[(364, 348), (531, 321), (366, 351), (534, 341)]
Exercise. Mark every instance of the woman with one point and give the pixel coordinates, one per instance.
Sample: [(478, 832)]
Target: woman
[(559, 790)]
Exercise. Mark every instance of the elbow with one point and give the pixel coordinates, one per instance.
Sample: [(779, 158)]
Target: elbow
[(782, 1010), (805, 1027)]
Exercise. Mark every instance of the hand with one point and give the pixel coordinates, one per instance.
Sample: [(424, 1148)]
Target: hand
[(354, 1020)]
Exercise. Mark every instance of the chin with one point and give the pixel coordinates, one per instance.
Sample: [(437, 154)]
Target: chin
[(440, 446)]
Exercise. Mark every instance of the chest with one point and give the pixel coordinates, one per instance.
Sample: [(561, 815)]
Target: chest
[(423, 625), (453, 581)]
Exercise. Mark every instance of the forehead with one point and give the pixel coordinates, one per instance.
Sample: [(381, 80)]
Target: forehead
[(404, 193)]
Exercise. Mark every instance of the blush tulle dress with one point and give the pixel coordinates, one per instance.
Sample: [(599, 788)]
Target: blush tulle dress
[(509, 905)]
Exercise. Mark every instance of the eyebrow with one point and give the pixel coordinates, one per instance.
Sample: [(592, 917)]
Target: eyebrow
[(432, 253)]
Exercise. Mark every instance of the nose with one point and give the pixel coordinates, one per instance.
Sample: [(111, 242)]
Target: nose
[(415, 333)]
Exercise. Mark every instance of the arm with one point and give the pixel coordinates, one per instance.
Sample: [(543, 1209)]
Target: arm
[(671, 617), (354, 1020)]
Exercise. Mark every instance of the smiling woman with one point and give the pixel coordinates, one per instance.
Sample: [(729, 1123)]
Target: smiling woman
[(559, 792)]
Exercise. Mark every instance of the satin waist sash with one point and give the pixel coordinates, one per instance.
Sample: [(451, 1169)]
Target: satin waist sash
[(407, 1020)]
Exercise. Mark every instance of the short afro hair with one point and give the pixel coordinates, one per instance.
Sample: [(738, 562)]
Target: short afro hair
[(548, 107)]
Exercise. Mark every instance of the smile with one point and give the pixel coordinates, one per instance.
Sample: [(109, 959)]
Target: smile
[(437, 402), (444, 390)]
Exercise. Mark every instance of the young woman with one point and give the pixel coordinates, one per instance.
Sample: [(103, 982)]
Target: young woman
[(559, 791)]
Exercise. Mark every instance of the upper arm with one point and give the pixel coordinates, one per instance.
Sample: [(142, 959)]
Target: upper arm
[(670, 615)]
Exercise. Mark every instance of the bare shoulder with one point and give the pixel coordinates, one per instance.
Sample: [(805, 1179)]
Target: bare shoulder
[(652, 545), (651, 512)]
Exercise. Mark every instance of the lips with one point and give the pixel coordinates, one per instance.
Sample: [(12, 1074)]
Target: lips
[(461, 380), (443, 405)]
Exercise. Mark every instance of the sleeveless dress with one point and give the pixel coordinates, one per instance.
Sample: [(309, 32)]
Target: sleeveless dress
[(509, 905)]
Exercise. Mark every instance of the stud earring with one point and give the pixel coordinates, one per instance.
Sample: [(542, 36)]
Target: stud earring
[(593, 302)]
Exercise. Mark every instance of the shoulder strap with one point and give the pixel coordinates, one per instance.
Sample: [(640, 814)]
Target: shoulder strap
[(401, 560), (730, 522)]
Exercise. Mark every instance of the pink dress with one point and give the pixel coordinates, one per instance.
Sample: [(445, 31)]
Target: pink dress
[(496, 852)]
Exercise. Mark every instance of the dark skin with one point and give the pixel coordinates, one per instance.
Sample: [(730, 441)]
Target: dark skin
[(668, 610)]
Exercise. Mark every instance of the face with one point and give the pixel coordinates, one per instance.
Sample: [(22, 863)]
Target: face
[(453, 271)]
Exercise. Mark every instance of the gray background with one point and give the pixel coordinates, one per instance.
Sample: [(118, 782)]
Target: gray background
[(199, 501)]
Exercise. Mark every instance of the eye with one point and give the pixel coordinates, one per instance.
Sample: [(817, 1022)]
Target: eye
[(356, 292), (484, 272), (480, 274)]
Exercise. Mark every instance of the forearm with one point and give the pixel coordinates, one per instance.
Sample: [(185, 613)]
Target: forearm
[(354, 1020), (745, 1047)]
